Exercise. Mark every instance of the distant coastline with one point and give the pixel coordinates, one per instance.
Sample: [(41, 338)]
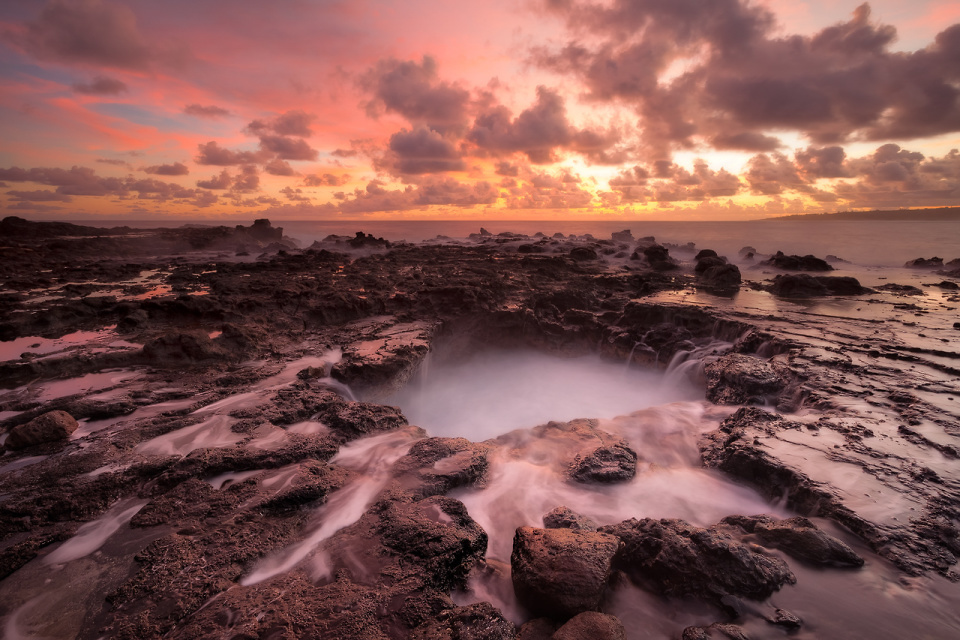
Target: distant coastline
[(940, 214)]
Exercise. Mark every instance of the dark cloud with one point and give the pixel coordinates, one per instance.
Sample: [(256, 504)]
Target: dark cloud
[(205, 111), (41, 195), (413, 90), (505, 168), (212, 153), (291, 123), (101, 86), (115, 162), (83, 181), (294, 195), (825, 162), (288, 148), (175, 169), (344, 153), (538, 131), (421, 151), (278, 167), (745, 141), (223, 180), (85, 32), (325, 180), (741, 81)]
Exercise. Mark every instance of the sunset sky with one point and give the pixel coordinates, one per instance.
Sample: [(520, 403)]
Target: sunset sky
[(505, 109)]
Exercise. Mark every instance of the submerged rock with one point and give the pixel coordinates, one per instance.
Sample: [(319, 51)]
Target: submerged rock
[(799, 538), (49, 427), (559, 573), (675, 558)]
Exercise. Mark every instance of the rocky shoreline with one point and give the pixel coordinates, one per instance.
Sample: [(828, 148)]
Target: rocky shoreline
[(234, 474)]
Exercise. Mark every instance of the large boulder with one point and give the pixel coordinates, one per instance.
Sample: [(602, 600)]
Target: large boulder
[(559, 573), (616, 463), (591, 625), (675, 558), (659, 258), (798, 263), (802, 285), (707, 261), (49, 427), (723, 276)]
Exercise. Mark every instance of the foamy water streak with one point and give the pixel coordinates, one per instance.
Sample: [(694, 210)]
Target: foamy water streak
[(496, 392), (372, 458), (669, 481), (216, 430), (93, 535)]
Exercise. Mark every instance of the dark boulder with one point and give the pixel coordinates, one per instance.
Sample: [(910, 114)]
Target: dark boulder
[(705, 253), (591, 625), (798, 263), (925, 263), (659, 258), (616, 463), (566, 518), (706, 262), (583, 254), (802, 285), (622, 236), (49, 427), (677, 559), (559, 573), (724, 276)]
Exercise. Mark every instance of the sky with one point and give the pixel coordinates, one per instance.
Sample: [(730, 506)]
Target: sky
[(505, 109)]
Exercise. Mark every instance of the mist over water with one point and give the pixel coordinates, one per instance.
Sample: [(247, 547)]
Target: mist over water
[(495, 392)]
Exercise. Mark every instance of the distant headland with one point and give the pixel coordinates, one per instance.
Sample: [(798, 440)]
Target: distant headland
[(940, 214)]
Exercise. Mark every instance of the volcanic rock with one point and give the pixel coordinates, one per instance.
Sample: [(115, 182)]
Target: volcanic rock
[(724, 276), (479, 621), (798, 263), (706, 262), (49, 427), (566, 518), (705, 253), (802, 285), (736, 378), (559, 573), (581, 254), (677, 559), (799, 538), (716, 631), (923, 263), (622, 236), (591, 625), (659, 258), (617, 463)]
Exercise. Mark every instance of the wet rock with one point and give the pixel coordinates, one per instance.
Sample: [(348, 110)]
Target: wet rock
[(659, 258), (802, 285), (591, 625), (49, 427), (559, 573), (480, 621), (798, 263), (724, 276), (436, 534), (736, 378), (677, 559), (434, 466), (902, 289), (946, 284), (182, 346), (924, 263), (708, 261), (537, 629), (783, 618), (583, 254), (799, 538), (617, 463), (566, 518), (716, 631)]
